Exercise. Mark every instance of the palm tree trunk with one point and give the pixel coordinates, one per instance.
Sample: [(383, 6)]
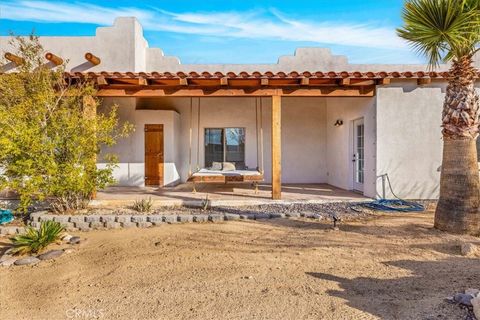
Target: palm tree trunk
[(459, 202)]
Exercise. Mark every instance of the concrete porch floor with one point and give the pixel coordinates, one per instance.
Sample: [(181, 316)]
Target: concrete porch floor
[(225, 194)]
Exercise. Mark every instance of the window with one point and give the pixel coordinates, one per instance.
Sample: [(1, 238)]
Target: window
[(225, 145)]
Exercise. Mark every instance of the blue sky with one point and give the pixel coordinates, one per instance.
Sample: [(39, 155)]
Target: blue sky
[(229, 31)]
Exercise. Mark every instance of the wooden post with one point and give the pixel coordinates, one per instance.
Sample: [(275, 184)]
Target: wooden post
[(276, 147)]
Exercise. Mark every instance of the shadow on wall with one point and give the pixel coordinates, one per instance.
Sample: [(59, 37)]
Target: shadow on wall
[(427, 286), (408, 188)]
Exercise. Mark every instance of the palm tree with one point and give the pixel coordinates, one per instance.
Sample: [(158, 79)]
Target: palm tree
[(449, 31)]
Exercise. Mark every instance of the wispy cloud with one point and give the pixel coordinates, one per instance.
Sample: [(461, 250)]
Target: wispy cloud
[(254, 24)]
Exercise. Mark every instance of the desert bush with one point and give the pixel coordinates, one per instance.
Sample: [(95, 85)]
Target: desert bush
[(51, 134), (35, 240), (143, 205)]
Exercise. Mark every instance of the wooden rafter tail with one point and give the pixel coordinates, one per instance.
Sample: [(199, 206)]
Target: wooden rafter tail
[(92, 58), (56, 60), (14, 58)]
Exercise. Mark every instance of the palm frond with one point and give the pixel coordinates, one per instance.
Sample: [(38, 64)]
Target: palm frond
[(441, 30)]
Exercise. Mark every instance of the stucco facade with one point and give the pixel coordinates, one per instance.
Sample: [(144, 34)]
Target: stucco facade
[(401, 121)]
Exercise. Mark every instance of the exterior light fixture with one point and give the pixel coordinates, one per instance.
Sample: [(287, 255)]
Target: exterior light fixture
[(338, 123)]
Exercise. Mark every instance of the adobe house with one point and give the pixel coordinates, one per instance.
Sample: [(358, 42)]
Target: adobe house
[(310, 118)]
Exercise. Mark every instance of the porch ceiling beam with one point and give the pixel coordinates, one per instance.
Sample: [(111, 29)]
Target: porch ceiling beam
[(101, 81), (384, 81), (150, 91), (424, 81)]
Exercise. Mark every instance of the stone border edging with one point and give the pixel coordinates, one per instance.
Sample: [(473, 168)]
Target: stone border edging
[(116, 221)]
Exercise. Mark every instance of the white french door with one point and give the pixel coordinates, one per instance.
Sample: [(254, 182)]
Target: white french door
[(358, 154)]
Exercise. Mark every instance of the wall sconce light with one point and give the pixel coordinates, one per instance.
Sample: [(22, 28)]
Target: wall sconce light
[(338, 123)]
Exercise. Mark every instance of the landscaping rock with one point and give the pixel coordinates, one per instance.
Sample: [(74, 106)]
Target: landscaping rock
[(128, 224), (184, 218), (82, 226), (46, 217), (20, 230), (76, 219), (139, 218), (52, 254), (35, 216), (215, 217), (170, 219), (92, 218), (35, 224), (108, 218), (67, 237), (68, 225), (155, 218), (473, 292), (74, 240), (157, 223), (144, 224), (248, 216), (470, 250), (277, 215), (8, 230), (476, 306), (97, 225), (200, 218), (61, 219), (27, 261), (232, 217), (124, 218), (112, 225), (8, 262), (262, 216), (293, 214)]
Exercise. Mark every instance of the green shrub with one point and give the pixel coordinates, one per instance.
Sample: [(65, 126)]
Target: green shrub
[(143, 205), (33, 240), (51, 133)]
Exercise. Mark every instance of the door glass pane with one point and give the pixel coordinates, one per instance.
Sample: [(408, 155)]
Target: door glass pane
[(213, 146), (360, 162), (235, 146)]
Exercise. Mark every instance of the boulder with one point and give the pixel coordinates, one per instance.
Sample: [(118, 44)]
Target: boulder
[(463, 298)]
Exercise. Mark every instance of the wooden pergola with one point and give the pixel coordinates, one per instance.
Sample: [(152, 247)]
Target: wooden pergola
[(256, 84)]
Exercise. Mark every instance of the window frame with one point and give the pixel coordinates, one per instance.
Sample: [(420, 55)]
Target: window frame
[(224, 143)]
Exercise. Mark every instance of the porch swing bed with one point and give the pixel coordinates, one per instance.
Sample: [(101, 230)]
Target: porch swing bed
[(241, 175)]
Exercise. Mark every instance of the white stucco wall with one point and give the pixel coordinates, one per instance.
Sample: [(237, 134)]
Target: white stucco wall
[(409, 139), (340, 142), (131, 150), (303, 133)]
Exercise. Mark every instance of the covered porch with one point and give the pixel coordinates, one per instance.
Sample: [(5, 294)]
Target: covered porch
[(226, 194), (308, 121)]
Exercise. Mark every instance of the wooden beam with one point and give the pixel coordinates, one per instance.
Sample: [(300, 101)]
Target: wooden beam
[(142, 81), (92, 59), (13, 58), (152, 91), (101, 81), (56, 60), (276, 147), (384, 81), (345, 81), (305, 81), (224, 81), (264, 82), (424, 81)]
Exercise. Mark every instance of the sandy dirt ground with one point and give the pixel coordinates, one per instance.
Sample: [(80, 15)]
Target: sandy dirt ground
[(388, 267)]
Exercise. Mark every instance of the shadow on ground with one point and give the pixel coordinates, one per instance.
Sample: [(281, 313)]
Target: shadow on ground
[(429, 284)]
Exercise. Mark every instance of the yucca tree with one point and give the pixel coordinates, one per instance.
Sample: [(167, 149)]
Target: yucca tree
[(449, 31)]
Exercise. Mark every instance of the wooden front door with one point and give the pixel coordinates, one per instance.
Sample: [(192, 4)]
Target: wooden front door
[(154, 155)]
